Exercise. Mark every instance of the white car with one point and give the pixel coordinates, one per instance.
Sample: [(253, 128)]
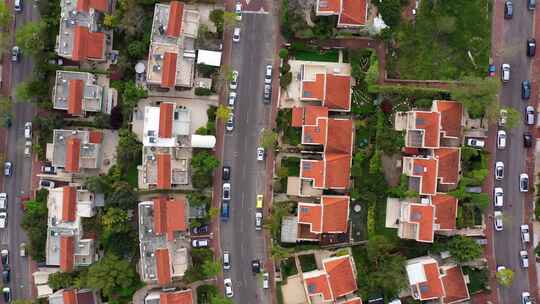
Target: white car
[(268, 74), (226, 260), (28, 148), (3, 201), (505, 72), (499, 170), (503, 117), (46, 184), (524, 259), (498, 197), (501, 139), (526, 298), (498, 220), (3, 220), (234, 80), (266, 280), (476, 143), (226, 191), (199, 243), (258, 220), (228, 288), (28, 130), (229, 125), (524, 182), (525, 236), (238, 11), (236, 34), (260, 153), (529, 115), (232, 99)]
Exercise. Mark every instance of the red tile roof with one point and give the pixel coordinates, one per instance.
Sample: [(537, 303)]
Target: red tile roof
[(85, 5), (335, 216), (168, 78), (353, 13), (96, 137), (169, 216), (312, 113), (310, 214), (164, 171), (449, 164), (76, 89), (341, 276), (315, 134), (73, 150), (163, 266), (314, 170), (319, 285), (66, 253), (338, 153), (432, 288), (297, 117), (423, 215), (353, 301), (165, 119), (430, 123), (329, 6), (445, 211), (180, 297), (160, 215), (314, 89), (451, 117), (338, 92), (426, 169), (69, 204), (87, 45), (454, 286), (176, 13), (69, 296)]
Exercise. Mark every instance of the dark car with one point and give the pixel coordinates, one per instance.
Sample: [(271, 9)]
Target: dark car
[(225, 210), (200, 230), (15, 54), (4, 254), (267, 93), (527, 140), (255, 266), (5, 276), (531, 47), (492, 69), (531, 4), (226, 173), (7, 294), (526, 89), (8, 168), (508, 10)]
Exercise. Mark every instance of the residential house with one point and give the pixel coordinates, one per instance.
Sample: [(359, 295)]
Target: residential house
[(163, 241), (67, 246), (79, 93), (430, 281), (75, 151), (335, 282), (329, 217), (351, 13), (330, 87), (74, 296), (175, 297), (171, 59), (81, 36)]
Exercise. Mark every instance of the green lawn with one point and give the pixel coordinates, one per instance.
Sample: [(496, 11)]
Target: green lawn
[(292, 164), (132, 175), (327, 56), (478, 279), (307, 262), (437, 46)]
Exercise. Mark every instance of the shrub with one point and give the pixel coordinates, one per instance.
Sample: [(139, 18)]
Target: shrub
[(285, 68), (203, 92), (285, 80), (283, 53)]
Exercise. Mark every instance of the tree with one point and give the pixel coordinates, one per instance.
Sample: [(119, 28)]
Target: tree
[(131, 95), (375, 163), (216, 16), (446, 24), (115, 220), (478, 95), (268, 139), (34, 222), (112, 276), (513, 117), (28, 37), (5, 16), (229, 19), (137, 49), (464, 249), (122, 196), (505, 277), (198, 199), (390, 11), (97, 184), (59, 280), (210, 268), (129, 149), (285, 80), (223, 112), (111, 21), (219, 299), (213, 212), (204, 162)]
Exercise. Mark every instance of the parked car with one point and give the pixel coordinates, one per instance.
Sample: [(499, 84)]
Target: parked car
[(499, 170), (498, 220), (28, 148), (225, 210), (238, 11), (267, 95), (259, 201), (4, 256), (236, 34), (3, 220), (268, 74), (226, 191), (531, 47), (508, 9), (8, 168), (232, 99), (3, 201), (524, 259), (258, 220), (48, 169), (46, 184), (524, 182), (226, 173), (525, 89), (234, 80), (501, 139), (228, 288), (525, 235), (529, 115), (505, 72), (6, 292), (492, 70), (527, 140), (531, 4), (260, 153), (28, 130), (226, 260), (266, 280), (5, 276), (255, 266), (203, 229), (476, 143), (18, 5), (503, 117), (229, 126), (526, 298), (498, 197), (199, 243), (22, 249), (15, 54)]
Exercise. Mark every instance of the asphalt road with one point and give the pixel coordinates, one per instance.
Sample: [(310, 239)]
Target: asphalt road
[(19, 183), (508, 243), (238, 235)]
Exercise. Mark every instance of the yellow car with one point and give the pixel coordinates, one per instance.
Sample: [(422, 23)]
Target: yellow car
[(259, 201)]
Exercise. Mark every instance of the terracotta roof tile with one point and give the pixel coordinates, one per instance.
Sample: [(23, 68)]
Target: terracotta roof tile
[(312, 113), (87, 44), (353, 12), (163, 266), (423, 215), (176, 217), (76, 90), (69, 296), (180, 297), (449, 164), (315, 135), (335, 216), (73, 150), (168, 77), (164, 171), (432, 288), (314, 90), (426, 169), (297, 117), (160, 215), (85, 5), (353, 301), (319, 285), (329, 6), (338, 153), (96, 137), (310, 214), (165, 119), (69, 204), (66, 253), (96, 45), (305, 233), (313, 169), (341, 276), (430, 123), (451, 117), (340, 136), (454, 286), (445, 211), (176, 13), (338, 92)]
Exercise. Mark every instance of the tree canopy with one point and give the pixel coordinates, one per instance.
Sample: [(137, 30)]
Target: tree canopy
[(28, 37), (464, 249), (478, 95), (505, 277), (112, 276)]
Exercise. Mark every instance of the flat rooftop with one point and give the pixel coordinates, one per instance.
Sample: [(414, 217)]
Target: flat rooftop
[(91, 97)]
